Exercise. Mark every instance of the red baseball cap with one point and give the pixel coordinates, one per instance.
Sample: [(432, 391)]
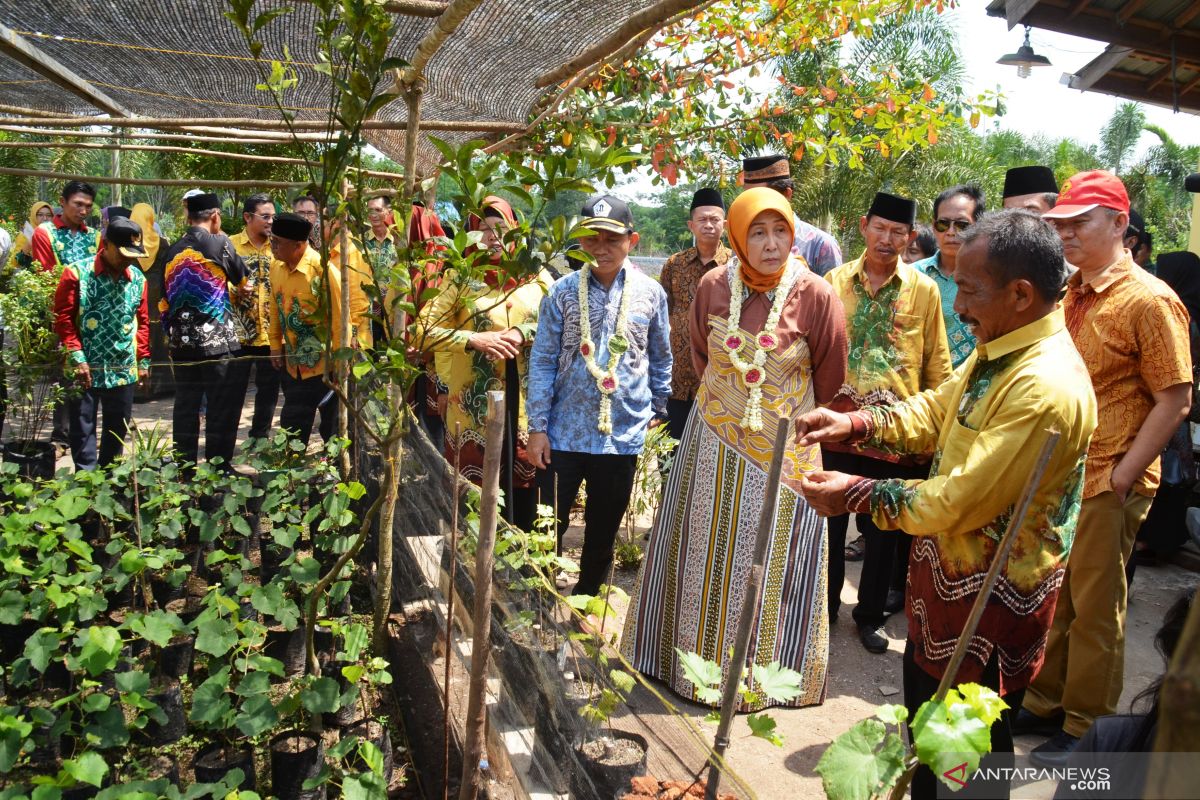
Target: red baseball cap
[(1084, 191)]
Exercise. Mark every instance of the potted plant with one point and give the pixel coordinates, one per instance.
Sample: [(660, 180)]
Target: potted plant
[(32, 359)]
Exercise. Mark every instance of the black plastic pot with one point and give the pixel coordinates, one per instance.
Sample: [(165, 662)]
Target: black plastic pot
[(347, 715), (288, 647), (169, 699), (610, 781), (215, 760), (296, 756), (175, 660), (375, 732), (13, 638), (34, 460)]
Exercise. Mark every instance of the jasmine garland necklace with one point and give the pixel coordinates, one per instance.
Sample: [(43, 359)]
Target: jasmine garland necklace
[(766, 341), (618, 343)]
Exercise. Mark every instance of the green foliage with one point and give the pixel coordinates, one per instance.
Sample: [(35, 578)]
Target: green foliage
[(32, 352), (868, 760), (775, 682)]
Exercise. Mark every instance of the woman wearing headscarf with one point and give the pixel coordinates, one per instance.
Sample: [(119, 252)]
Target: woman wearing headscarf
[(480, 332), (769, 342), (1165, 528), (152, 265), (22, 252)]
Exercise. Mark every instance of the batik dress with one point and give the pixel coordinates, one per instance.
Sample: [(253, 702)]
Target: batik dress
[(690, 592), (449, 320)]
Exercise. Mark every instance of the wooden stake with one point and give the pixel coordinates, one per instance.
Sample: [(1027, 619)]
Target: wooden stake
[(166, 137), (456, 500), (741, 644), (489, 501)]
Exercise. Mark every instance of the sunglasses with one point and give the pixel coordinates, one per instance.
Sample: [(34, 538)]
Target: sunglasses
[(943, 225)]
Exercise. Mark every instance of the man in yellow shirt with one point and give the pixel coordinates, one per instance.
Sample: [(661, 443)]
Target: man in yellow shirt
[(306, 314), (252, 313), (986, 426), (898, 348), (361, 277)]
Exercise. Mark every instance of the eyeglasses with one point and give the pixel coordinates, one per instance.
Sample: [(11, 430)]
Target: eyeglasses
[(265, 217), (308, 214), (943, 225)]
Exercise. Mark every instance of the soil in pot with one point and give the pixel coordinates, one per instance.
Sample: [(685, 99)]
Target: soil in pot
[(34, 460), (612, 761), (296, 756), (215, 760), (375, 732)]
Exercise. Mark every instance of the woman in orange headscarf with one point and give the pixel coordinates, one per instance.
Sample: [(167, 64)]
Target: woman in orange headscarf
[(480, 332), (769, 342)]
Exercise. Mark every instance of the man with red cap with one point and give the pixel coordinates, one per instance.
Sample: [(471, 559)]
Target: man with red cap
[(1132, 332)]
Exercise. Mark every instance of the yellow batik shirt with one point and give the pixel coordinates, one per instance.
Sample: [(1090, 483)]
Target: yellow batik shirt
[(304, 314), (897, 341), (986, 426), (361, 276), (252, 315)]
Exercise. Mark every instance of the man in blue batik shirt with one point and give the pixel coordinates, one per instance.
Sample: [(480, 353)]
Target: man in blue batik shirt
[(596, 387), (954, 210)]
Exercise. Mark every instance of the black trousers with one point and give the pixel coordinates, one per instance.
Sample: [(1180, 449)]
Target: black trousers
[(920, 686), (266, 387), (197, 379), (63, 411), (609, 487), (678, 412), (885, 555), (302, 398), (115, 407)]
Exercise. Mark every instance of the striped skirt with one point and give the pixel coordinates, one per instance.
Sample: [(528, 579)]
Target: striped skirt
[(693, 580)]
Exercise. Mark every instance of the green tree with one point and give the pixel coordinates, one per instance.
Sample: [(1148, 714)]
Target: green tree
[(1120, 135)]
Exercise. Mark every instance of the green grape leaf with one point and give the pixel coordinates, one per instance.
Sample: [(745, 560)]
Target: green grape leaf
[(894, 714), (986, 702), (257, 716), (13, 731), (322, 697), (777, 682), (41, 647), (12, 607), (367, 786), (210, 702), (157, 627), (354, 640), (133, 682), (861, 763), (705, 675), (88, 768), (948, 734), (215, 636), (101, 647), (763, 727)]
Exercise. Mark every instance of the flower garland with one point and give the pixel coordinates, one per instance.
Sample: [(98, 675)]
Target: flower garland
[(752, 372), (618, 343)]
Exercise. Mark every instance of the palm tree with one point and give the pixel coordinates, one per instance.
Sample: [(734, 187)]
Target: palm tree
[(1120, 135)]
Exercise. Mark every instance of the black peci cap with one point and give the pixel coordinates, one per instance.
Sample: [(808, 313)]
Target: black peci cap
[(1029, 180), (113, 212), (891, 207), (202, 202), (603, 212), (292, 227), (707, 197)]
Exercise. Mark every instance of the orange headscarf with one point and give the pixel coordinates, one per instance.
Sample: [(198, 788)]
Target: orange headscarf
[(745, 209)]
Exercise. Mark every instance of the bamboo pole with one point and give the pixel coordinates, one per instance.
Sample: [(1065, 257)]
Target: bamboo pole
[(148, 148), (416, 8), (457, 500), (741, 644), (481, 637), (448, 21), (190, 182), (985, 590), (166, 137), (256, 126)]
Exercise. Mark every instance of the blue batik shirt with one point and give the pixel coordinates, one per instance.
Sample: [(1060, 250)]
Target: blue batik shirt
[(962, 341), (563, 400)]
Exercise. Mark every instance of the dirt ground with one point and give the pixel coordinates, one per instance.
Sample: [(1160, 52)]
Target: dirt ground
[(858, 680)]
